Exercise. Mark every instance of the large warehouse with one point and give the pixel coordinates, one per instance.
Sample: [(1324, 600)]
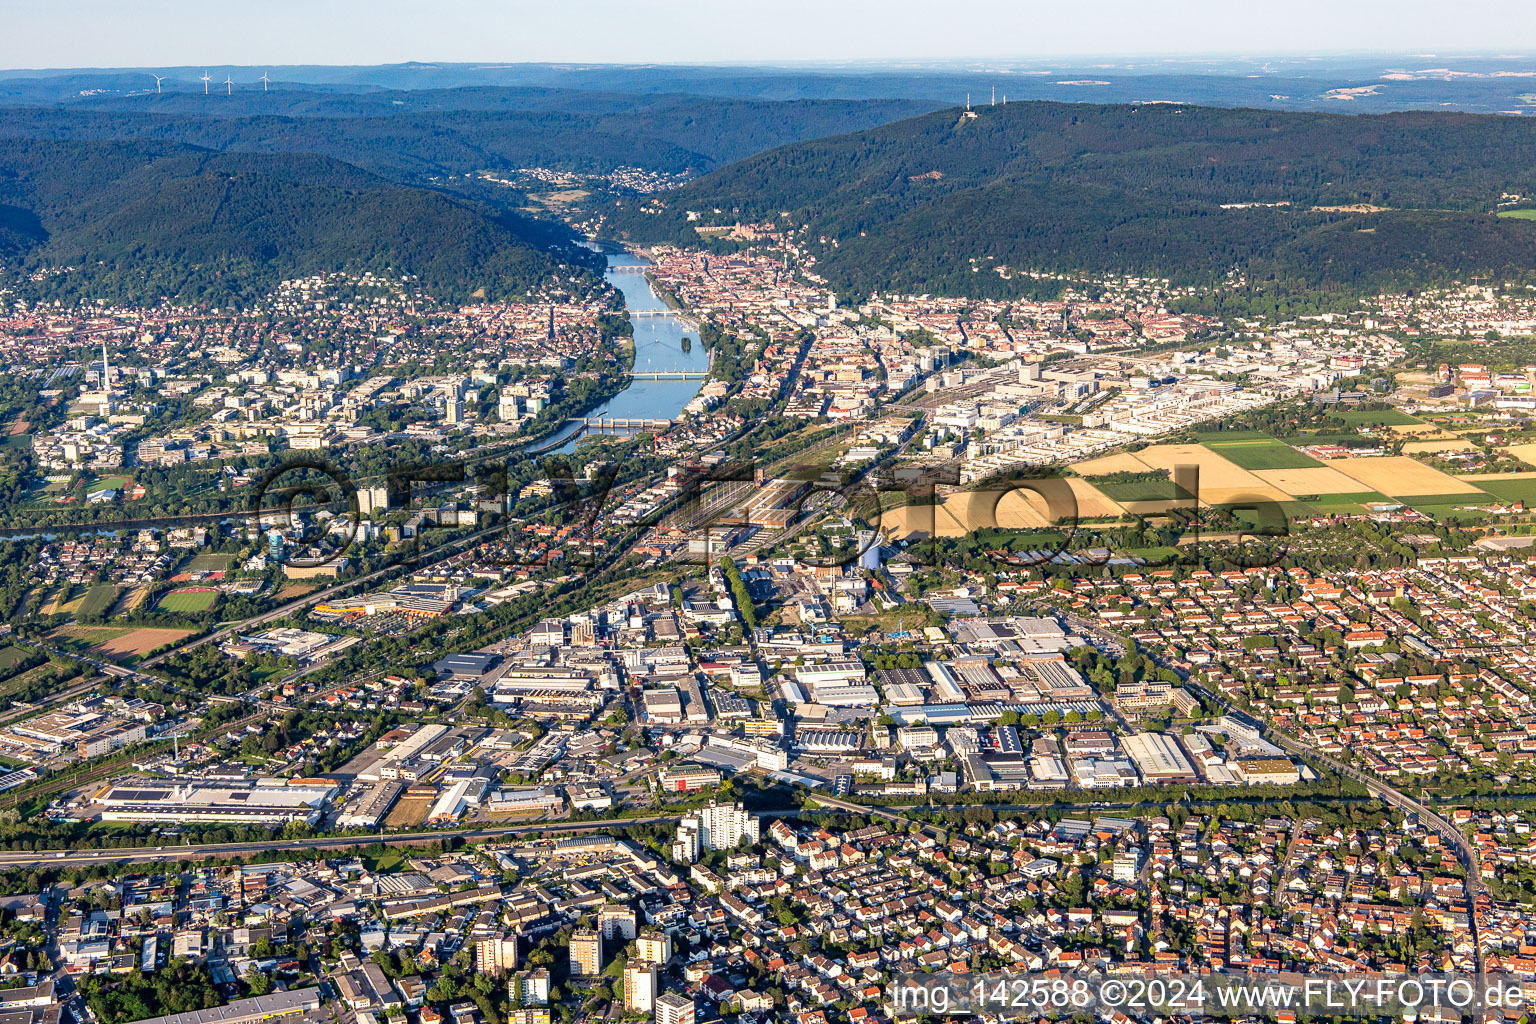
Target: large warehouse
[(266, 802), (1159, 758)]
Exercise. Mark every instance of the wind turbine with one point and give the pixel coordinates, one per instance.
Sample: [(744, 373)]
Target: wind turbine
[(205, 80), (263, 81), (158, 79), (229, 86)]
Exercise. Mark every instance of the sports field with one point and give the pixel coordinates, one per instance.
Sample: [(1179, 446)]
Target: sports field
[(210, 563), (189, 599)]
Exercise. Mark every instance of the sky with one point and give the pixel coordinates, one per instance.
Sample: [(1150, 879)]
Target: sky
[(150, 33)]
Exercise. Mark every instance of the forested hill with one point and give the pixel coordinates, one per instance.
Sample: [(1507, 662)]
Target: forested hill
[(217, 198), (137, 221), (418, 135), (916, 204)]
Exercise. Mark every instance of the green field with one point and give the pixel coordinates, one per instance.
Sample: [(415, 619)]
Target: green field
[(1261, 453), (1442, 499), (188, 601), (12, 657), (1344, 440), (1518, 214), (1512, 490), (1125, 487), (1137, 491), (98, 600), (116, 483), (1448, 512), (1345, 504), (1358, 417), (1216, 437)]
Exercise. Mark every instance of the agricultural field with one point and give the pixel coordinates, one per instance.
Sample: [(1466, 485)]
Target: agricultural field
[(13, 657), (1310, 482), (1261, 453), (1510, 486), (1518, 214), (97, 601), (1346, 504), (1421, 447), (1120, 462), (1133, 491), (189, 600), (967, 511), (115, 642), (130, 599), (1401, 477), (1222, 482), (1364, 417), (1421, 431), (1523, 452), (54, 600)]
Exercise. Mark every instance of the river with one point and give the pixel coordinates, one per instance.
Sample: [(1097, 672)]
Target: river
[(658, 347)]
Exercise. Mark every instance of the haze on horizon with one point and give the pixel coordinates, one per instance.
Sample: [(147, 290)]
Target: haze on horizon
[(150, 33)]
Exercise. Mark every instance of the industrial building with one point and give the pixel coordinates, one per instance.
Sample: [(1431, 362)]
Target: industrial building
[(270, 802), (1159, 758)]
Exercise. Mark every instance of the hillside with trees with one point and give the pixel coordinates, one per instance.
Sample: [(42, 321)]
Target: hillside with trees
[(1290, 201), (415, 136), (136, 221)]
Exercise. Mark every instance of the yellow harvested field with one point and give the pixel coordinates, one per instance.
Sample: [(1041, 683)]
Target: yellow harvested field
[(1473, 478), (1120, 462), (1311, 480), (1418, 447), (1238, 495), (1398, 475), (1093, 503), (122, 642), (1158, 507), (1423, 431), (1523, 452), (966, 511), (1215, 470)]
